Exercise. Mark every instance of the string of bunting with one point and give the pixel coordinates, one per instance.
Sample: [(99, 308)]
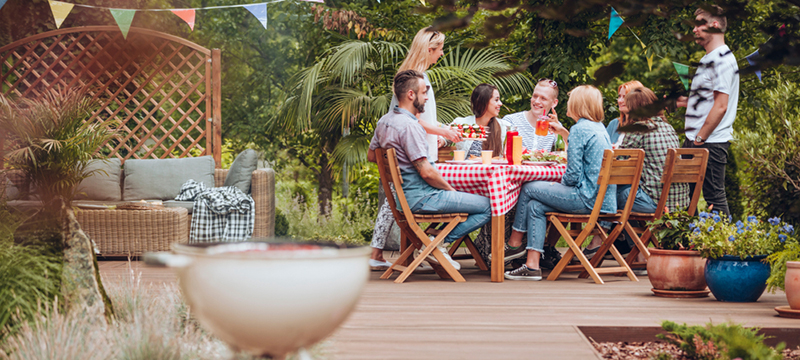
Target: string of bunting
[(124, 17), (614, 23)]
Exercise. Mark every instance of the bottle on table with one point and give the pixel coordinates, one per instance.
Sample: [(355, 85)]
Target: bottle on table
[(510, 134)]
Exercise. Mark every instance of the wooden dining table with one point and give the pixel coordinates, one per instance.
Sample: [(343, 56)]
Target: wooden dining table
[(501, 183)]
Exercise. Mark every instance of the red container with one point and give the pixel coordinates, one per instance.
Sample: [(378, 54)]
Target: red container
[(510, 145)]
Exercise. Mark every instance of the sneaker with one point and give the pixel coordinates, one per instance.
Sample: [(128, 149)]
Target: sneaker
[(589, 253), (377, 265), (512, 254), (550, 258), (523, 273), (443, 249)]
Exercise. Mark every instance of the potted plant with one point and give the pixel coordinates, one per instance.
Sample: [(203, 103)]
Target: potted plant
[(736, 269), (675, 269), (785, 265)]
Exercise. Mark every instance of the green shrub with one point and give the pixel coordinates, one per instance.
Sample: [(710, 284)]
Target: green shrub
[(348, 221), (281, 224), (725, 341), (770, 153), (30, 276)]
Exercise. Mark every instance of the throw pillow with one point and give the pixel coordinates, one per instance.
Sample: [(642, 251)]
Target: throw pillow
[(104, 184), (161, 179), (241, 173)]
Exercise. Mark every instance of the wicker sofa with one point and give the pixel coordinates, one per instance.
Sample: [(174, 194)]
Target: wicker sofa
[(120, 232)]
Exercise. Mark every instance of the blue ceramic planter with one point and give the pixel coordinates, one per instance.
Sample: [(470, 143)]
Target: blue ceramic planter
[(735, 280)]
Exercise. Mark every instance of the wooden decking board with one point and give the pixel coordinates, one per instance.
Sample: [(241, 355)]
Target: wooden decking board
[(429, 318)]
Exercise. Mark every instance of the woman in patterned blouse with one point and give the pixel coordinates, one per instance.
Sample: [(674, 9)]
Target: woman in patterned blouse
[(577, 191)]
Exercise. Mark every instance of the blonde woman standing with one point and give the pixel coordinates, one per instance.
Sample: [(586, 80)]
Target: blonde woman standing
[(426, 49)]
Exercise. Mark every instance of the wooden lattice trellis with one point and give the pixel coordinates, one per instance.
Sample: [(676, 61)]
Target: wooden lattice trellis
[(164, 91)]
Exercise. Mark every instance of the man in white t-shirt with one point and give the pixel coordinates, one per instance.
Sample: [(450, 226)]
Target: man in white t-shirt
[(711, 105)]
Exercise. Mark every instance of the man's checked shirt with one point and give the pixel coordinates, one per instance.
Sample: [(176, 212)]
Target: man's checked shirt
[(655, 145)]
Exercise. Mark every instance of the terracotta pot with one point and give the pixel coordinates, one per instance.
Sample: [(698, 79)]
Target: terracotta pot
[(676, 270), (793, 284)]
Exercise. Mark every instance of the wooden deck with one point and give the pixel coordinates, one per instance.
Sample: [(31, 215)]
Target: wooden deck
[(429, 318)]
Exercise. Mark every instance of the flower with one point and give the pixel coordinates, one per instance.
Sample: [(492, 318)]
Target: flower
[(788, 228), (692, 226), (782, 238), (731, 238), (717, 218), (774, 221), (703, 215), (739, 231), (696, 230), (711, 228), (739, 224), (752, 219), (715, 212)]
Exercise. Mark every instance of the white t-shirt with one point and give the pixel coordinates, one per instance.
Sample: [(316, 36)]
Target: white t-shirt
[(428, 116), (718, 71)]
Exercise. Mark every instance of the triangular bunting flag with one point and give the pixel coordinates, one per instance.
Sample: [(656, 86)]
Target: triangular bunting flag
[(752, 62), (683, 73), (259, 11), (614, 23), (650, 62), (2, 2), (60, 11), (187, 15), (124, 18)]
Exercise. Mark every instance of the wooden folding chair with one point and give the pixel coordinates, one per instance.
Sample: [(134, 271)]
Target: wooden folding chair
[(620, 167), (409, 223), (681, 166)]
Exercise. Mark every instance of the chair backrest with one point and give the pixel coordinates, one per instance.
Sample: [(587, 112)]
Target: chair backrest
[(620, 167), (683, 166), (390, 174)]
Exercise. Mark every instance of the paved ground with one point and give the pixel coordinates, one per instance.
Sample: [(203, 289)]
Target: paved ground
[(428, 318)]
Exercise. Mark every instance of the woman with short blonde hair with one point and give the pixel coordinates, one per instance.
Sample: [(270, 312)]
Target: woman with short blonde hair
[(577, 191)]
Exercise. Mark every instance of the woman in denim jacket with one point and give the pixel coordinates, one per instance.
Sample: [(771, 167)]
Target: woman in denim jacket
[(577, 191)]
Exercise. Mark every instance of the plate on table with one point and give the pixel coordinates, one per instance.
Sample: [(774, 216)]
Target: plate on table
[(500, 161), (463, 162), (538, 163)]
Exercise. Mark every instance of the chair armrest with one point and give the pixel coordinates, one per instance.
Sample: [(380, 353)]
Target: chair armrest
[(262, 189)]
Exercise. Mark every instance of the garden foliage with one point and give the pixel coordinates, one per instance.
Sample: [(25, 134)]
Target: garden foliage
[(50, 142), (30, 277), (777, 262), (725, 341), (770, 148), (715, 235), (672, 230)]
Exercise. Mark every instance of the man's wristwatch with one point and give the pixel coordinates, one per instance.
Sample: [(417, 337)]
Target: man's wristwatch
[(699, 139)]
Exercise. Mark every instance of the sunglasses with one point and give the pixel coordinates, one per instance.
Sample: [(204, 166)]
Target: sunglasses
[(433, 35), (552, 83)]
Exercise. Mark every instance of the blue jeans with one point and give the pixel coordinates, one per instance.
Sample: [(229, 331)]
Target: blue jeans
[(642, 204), (478, 207), (539, 197)]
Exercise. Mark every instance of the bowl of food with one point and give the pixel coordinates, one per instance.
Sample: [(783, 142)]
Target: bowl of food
[(268, 298)]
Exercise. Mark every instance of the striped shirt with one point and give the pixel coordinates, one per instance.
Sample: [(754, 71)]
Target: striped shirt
[(530, 140)]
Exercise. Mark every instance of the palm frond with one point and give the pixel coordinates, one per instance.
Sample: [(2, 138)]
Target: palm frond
[(351, 150)]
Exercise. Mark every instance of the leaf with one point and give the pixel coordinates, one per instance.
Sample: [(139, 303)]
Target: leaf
[(606, 73)]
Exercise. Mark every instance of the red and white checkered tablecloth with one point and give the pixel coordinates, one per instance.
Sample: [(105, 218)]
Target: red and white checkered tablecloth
[(500, 183)]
